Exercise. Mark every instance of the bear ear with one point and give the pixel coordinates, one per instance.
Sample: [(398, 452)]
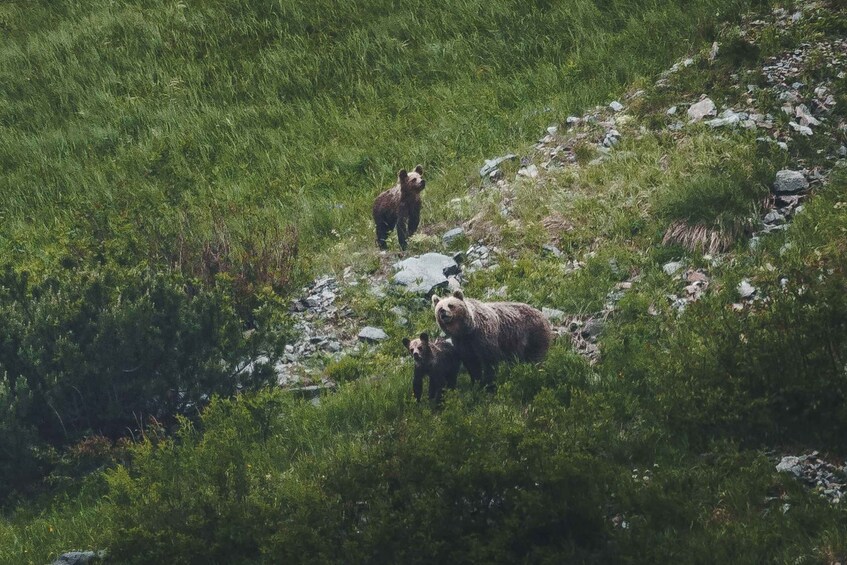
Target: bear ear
[(425, 337), (402, 174), (458, 294), (419, 169), (406, 342), (435, 300)]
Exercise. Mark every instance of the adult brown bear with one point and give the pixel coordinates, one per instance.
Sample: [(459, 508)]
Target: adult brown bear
[(486, 333)]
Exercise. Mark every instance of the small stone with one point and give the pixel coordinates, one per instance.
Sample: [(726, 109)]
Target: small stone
[(452, 235), (573, 120), (616, 106), (332, 346), (702, 109), (801, 129), (370, 334), (774, 217), (713, 53), (805, 116), (552, 249), (671, 111), (552, 130), (79, 558), (842, 151), (727, 118), (491, 164), (530, 171), (672, 267), (746, 290), (593, 327), (790, 182), (552, 314)]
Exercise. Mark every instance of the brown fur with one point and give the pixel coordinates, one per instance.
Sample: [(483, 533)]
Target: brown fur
[(486, 333), (438, 359), (399, 206)]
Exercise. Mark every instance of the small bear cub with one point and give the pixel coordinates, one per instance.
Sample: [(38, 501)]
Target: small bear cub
[(399, 206), (438, 359)]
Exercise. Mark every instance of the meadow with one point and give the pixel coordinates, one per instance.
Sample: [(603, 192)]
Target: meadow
[(173, 172)]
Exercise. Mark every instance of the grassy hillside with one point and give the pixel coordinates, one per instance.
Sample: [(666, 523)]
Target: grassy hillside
[(174, 171), (135, 130)]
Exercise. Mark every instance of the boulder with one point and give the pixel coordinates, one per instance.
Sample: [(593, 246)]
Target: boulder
[(790, 182), (702, 109), (426, 273), (370, 334)]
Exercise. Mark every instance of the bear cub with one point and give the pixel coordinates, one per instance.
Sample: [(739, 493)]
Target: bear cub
[(399, 206), (438, 359), (486, 333)]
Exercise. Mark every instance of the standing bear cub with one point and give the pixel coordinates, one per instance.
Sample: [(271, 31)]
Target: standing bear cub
[(399, 206), (485, 333), (438, 359)]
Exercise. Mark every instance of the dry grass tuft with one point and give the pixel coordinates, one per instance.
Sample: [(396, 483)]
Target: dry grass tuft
[(701, 238)]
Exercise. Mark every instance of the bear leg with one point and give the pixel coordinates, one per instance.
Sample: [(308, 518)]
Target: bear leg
[(417, 384), (382, 229), (474, 367), (401, 233)]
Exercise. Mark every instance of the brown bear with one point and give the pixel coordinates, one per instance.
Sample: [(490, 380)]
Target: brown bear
[(486, 333), (399, 206), (438, 359)]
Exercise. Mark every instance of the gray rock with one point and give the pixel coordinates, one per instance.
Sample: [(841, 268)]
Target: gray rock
[(530, 171), (370, 334), (774, 217), (727, 118), (746, 290), (702, 109), (78, 558), (790, 464), (452, 235), (713, 52), (801, 129), (790, 182), (426, 273), (616, 106), (332, 346), (671, 111), (593, 327), (573, 120), (552, 130), (491, 164), (805, 116), (842, 151), (552, 249), (453, 284), (671, 268), (552, 314)]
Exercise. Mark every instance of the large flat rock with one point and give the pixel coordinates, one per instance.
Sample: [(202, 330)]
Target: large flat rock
[(426, 273)]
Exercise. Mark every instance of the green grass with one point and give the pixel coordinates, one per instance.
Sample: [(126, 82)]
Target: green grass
[(210, 138), (138, 127)]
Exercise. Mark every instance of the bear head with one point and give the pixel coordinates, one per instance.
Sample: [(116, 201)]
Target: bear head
[(452, 313), (411, 182), (419, 349)]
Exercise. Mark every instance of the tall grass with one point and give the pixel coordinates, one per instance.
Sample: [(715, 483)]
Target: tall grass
[(139, 113)]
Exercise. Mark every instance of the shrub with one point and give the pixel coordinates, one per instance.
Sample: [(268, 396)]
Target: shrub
[(105, 351)]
